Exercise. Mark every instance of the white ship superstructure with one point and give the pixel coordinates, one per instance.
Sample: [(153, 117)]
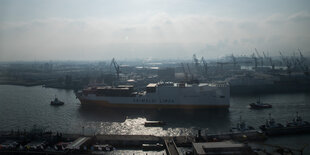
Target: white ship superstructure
[(159, 95)]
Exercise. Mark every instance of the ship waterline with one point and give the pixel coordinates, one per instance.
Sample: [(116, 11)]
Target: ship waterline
[(152, 106)]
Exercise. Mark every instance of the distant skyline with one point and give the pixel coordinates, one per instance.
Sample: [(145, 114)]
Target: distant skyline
[(128, 29)]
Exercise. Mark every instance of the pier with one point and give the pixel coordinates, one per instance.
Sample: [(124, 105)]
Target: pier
[(17, 142), (171, 146)]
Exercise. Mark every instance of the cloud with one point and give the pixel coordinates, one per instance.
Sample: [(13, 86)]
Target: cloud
[(159, 35), (276, 19), (300, 17)]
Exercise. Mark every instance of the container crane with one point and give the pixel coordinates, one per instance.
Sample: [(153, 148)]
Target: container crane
[(301, 63), (261, 58), (205, 66), (234, 60), (196, 62), (116, 67), (302, 58), (185, 73), (268, 58), (287, 62), (294, 60), (189, 71), (255, 60)]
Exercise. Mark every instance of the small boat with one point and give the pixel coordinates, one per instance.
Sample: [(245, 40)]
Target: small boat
[(154, 123), (297, 126), (152, 147), (270, 124), (298, 122), (259, 105), (241, 127), (57, 102)]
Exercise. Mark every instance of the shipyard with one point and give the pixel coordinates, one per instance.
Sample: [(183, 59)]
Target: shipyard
[(154, 77)]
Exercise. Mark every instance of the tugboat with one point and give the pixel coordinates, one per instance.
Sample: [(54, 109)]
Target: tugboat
[(242, 132), (57, 102), (298, 122), (270, 124), (241, 127), (259, 105), (297, 126)]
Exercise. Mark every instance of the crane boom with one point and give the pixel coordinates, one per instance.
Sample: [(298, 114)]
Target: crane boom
[(185, 74), (116, 67), (259, 57), (205, 66)]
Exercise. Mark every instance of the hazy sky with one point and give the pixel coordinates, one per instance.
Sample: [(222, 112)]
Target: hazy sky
[(100, 30)]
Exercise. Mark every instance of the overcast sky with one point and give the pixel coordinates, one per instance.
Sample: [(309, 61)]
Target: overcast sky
[(99, 30)]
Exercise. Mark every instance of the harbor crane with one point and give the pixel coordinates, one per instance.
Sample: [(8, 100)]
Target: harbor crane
[(265, 57), (196, 62), (234, 60), (301, 63), (303, 67), (259, 57), (185, 73), (302, 58), (116, 67), (294, 59), (287, 62), (189, 71), (268, 58), (205, 66), (255, 60), (221, 64)]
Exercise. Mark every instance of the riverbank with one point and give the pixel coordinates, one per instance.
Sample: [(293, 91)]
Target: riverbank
[(47, 84), (47, 142), (20, 83)]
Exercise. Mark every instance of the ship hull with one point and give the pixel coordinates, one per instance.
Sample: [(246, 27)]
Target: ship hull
[(171, 96), (287, 131), (102, 103)]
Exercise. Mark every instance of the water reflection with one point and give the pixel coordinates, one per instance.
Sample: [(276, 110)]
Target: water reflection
[(213, 119)]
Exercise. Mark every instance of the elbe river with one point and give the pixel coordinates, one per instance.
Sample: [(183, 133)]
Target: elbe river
[(23, 107)]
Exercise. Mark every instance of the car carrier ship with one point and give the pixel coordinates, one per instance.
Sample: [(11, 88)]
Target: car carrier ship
[(158, 95)]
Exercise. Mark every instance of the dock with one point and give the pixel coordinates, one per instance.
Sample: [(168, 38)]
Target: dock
[(52, 143), (171, 147), (77, 143), (134, 141)]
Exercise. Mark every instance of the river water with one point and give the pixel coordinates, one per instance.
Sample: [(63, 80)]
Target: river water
[(22, 107)]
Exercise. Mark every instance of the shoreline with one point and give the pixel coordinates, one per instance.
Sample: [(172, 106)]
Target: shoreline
[(32, 84)]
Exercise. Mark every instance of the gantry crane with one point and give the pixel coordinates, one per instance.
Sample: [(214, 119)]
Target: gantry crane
[(255, 60), (116, 67), (287, 62), (185, 73), (205, 66), (268, 58), (261, 58)]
